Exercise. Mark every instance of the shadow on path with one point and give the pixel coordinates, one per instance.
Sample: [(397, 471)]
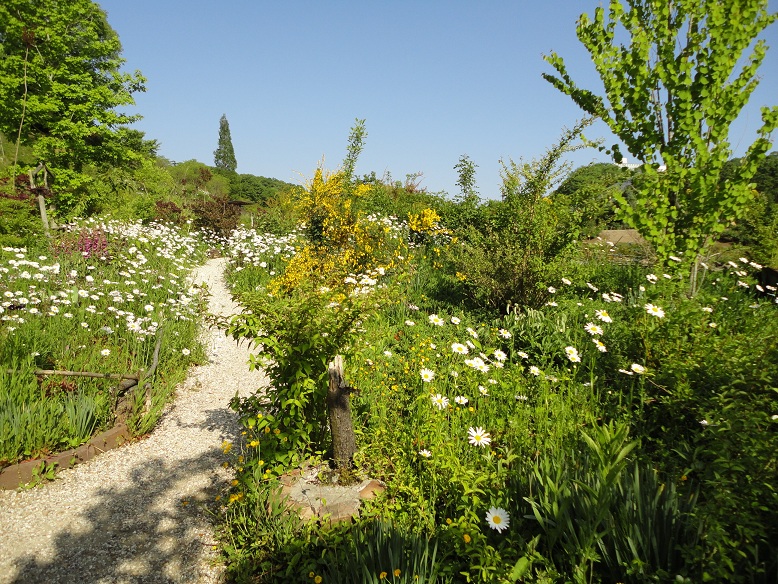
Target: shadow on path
[(145, 533)]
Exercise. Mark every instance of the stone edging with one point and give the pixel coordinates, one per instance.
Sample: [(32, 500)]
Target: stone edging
[(16, 475)]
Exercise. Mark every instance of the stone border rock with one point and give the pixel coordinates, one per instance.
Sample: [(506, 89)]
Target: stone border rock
[(16, 475)]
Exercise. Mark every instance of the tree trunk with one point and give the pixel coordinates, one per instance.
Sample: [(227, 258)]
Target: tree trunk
[(344, 443)]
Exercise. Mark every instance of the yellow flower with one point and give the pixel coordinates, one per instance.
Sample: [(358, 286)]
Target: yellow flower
[(254, 443), (397, 573), (317, 579), (382, 575), (466, 538), (311, 574), (234, 482)]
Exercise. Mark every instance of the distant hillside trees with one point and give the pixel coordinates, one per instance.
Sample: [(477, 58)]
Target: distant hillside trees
[(224, 155), (589, 192)]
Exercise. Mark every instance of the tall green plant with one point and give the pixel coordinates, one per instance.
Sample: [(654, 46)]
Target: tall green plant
[(224, 155), (515, 246), (672, 92)]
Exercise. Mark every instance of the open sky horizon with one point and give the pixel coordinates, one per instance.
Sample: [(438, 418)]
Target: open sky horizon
[(432, 79)]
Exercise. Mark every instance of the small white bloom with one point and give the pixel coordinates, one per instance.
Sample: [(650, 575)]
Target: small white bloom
[(461, 400), (439, 401), (639, 369), (572, 354), (105, 352), (654, 311), (436, 320), (427, 375), (498, 519), (459, 348), (478, 437), (425, 453)]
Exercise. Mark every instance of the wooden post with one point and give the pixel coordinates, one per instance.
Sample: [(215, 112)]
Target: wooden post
[(344, 444), (44, 217)]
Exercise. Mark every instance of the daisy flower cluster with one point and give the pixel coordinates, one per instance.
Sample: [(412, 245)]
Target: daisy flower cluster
[(141, 282)]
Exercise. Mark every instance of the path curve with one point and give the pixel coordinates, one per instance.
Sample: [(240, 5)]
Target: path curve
[(137, 514)]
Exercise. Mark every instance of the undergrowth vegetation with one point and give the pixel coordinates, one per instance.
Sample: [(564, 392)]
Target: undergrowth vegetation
[(597, 424)]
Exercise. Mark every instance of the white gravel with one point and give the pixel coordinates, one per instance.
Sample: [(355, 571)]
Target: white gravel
[(138, 513)]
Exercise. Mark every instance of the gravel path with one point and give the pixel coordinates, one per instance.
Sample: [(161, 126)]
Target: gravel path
[(136, 514)]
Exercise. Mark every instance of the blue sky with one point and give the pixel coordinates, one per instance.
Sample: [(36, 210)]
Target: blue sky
[(433, 79)]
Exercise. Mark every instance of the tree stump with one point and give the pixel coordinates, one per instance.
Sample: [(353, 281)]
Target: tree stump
[(344, 444)]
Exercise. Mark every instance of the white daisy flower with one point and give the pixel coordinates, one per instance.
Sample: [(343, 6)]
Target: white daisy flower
[(459, 348), (498, 519), (572, 354), (654, 310), (478, 437), (427, 375), (439, 401)]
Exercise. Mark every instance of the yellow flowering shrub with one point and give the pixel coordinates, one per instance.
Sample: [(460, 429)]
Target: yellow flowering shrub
[(342, 240)]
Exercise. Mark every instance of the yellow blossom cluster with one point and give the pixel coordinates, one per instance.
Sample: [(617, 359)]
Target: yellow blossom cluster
[(341, 239), (426, 221)]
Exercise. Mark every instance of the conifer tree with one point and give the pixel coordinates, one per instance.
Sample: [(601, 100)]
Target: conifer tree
[(224, 155)]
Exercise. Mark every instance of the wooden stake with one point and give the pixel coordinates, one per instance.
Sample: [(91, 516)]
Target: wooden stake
[(344, 444)]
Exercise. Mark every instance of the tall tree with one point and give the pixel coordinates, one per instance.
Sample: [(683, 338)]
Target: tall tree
[(224, 155), (60, 86), (672, 90)]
